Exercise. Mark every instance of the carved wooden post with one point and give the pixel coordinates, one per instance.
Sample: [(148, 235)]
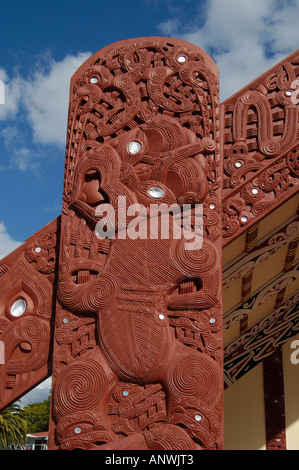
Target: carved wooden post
[(138, 334)]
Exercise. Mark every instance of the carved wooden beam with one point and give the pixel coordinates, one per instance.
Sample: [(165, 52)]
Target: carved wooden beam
[(287, 234), (273, 287), (28, 278), (261, 340), (261, 146)]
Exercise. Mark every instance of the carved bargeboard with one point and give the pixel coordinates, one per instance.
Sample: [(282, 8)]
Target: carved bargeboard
[(261, 147), (138, 329), (27, 310)]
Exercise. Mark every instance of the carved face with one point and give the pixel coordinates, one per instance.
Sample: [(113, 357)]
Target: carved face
[(159, 162)]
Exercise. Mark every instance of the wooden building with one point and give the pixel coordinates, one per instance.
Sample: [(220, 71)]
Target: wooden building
[(261, 335)]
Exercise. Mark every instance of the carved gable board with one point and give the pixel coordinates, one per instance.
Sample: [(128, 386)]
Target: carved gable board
[(261, 145), (130, 326)]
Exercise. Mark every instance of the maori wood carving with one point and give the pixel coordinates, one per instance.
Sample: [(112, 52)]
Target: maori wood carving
[(28, 278), (288, 234), (138, 334), (263, 339), (261, 147), (130, 327)]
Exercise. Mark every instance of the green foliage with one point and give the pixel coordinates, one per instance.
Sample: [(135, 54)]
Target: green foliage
[(16, 422), (13, 426), (37, 415)]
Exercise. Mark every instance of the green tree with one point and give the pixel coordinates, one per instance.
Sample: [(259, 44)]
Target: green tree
[(37, 415), (13, 426)]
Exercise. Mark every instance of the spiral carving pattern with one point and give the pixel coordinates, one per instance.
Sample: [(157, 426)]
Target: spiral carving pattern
[(269, 147), (168, 437), (202, 261), (80, 387), (196, 377), (90, 297)]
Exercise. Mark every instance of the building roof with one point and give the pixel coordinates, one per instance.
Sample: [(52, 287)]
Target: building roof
[(38, 434)]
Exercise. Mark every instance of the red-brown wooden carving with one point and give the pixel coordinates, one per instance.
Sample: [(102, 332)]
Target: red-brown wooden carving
[(138, 337), (27, 292), (261, 147)]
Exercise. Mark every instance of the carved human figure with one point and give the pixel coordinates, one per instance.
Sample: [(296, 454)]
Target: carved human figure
[(137, 359)]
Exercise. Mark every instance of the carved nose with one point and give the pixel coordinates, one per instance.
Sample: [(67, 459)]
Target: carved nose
[(92, 193)]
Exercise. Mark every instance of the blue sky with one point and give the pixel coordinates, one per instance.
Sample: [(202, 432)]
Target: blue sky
[(44, 42)]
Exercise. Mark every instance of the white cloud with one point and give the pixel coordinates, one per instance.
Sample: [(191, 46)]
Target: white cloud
[(39, 100), (43, 95), (20, 156), (285, 32), (7, 244), (12, 95), (46, 98), (244, 38)]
